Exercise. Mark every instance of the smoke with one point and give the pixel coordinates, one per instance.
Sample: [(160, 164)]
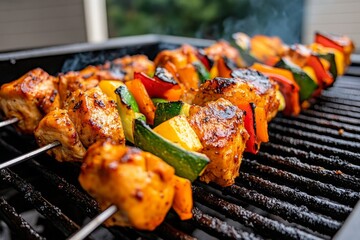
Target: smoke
[(281, 18)]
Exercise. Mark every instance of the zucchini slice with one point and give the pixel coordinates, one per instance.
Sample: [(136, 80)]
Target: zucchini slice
[(187, 164), (306, 84), (166, 110), (128, 111), (202, 72)]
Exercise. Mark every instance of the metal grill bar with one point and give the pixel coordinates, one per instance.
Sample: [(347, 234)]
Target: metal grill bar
[(329, 116), (294, 165), (263, 225), (313, 158), (338, 107), (54, 214), (17, 224), (347, 86), (329, 141), (328, 123), (335, 95), (318, 148), (337, 111), (343, 91), (332, 209), (167, 231), (339, 100), (344, 196), (285, 210), (219, 228), (317, 129)]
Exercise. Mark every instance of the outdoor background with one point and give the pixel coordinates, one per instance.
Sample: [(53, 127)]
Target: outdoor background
[(26, 24), (206, 18)]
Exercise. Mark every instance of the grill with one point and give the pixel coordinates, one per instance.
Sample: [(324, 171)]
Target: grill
[(303, 184)]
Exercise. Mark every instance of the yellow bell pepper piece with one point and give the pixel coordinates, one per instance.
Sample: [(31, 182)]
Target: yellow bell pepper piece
[(109, 86), (179, 131), (339, 56), (310, 71), (281, 99)]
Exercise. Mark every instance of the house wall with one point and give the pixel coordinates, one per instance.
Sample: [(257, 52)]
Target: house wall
[(38, 23), (332, 16)]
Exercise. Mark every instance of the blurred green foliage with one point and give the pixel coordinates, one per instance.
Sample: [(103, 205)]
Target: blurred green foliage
[(193, 18), (212, 19)]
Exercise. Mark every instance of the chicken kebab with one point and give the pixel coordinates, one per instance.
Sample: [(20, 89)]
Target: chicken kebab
[(88, 116), (89, 119)]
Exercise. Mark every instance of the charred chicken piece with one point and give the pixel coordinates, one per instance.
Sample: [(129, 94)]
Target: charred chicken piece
[(180, 63), (95, 116), (220, 127), (251, 87), (223, 49), (236, 90), (264, 87), (29, 98), (85, 79), (124, 68), (144, 200), (57, 126)]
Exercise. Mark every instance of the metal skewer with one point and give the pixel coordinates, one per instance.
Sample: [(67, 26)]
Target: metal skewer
[(93, 224), (8, 122), (29, 155)]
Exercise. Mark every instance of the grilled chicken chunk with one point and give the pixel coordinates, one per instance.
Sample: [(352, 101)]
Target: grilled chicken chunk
[(224, 49), (240, 91), (95, 116), (85, 79), (144, 200), (264, 87), (220, 128), (180, 63), (57, 126), (124, 68), (29, 98), (236, 90)]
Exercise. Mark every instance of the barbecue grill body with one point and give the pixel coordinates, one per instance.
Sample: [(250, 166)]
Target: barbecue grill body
[(281, 193)]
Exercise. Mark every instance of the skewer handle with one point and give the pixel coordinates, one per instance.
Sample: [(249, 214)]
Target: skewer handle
[(93, 224), (8, 122), (31, 154)]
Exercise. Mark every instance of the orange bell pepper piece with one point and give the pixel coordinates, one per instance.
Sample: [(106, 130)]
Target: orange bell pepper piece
[(146, 106), (262, 134), (183, 200)]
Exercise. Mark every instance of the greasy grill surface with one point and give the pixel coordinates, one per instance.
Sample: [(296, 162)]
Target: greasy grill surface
[(302, 185)]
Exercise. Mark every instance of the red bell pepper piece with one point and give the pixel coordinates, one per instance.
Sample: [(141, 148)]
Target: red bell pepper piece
[(327, 42), (290, 91), (204, 59), (160, 84), (252, 146), (324, 77)]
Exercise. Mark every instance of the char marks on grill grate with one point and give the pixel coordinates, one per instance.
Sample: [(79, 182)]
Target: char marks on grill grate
[(303, 184)]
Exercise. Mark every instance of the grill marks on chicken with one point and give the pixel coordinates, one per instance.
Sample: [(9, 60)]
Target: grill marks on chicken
[(57, 126), (85, 79), (87, 117), (235, 90), (247, 89), (124, 68), (95, 116), (29, 98), (105, 175), (264, 87), (220, 128)]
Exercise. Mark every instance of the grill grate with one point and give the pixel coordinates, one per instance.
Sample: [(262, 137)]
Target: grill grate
[(303, 184)]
